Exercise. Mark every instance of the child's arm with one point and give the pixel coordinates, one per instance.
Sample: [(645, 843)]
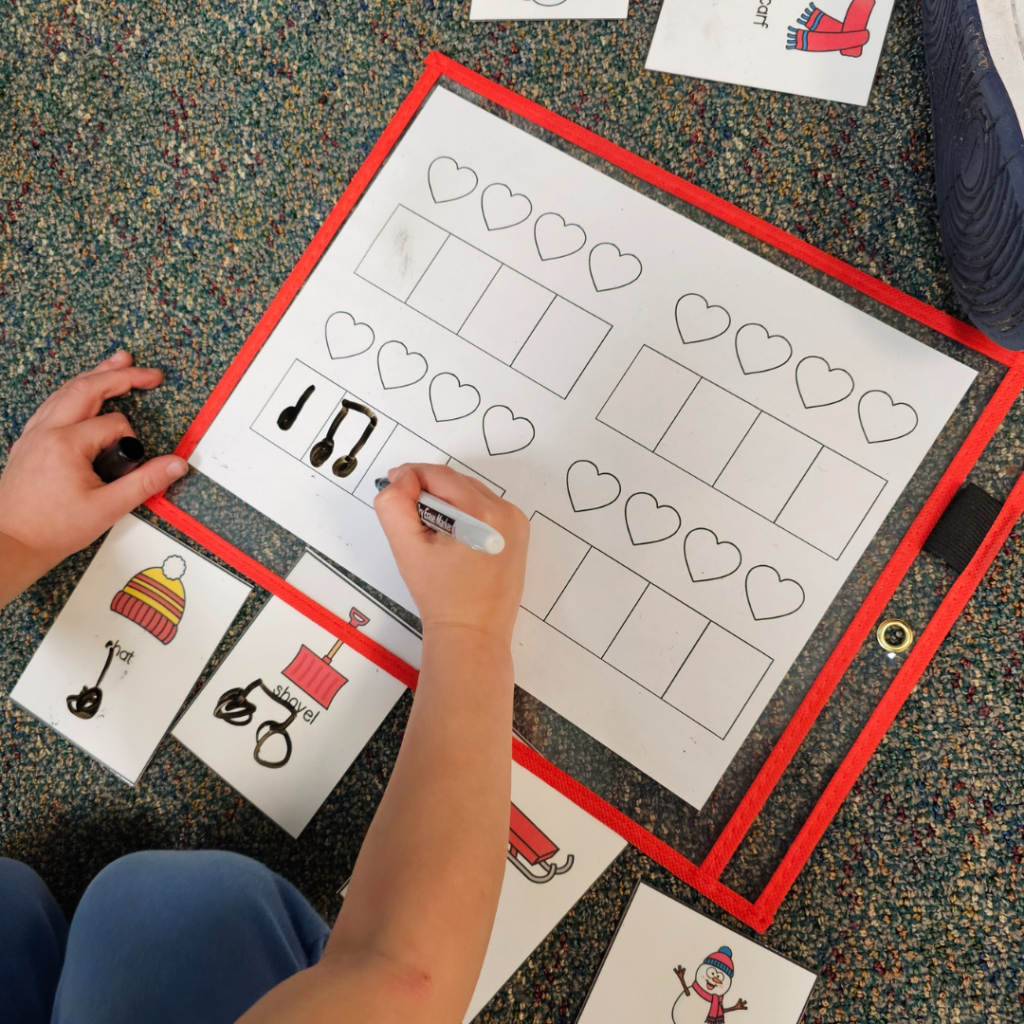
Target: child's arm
[(410, 939), (52, 504)]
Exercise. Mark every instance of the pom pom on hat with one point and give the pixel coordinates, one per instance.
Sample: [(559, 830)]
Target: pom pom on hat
[(173, 567), (722, 960)]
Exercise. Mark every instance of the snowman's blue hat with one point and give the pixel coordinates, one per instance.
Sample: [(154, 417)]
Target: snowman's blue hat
[(722, 960)]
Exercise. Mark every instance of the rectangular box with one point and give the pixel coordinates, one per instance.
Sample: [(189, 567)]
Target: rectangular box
[(766, 468), (647, 399), (506, 314), (553, 556), (717, 679), (561, 345), (597, 601), (401, 253), (655, 640), (831, 502), (707, 431), (299, 436), (453, 283), (402, 446)]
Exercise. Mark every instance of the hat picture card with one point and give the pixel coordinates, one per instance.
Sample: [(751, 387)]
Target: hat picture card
[(827, 49), (291, 706), (668, 964), (126, 649)]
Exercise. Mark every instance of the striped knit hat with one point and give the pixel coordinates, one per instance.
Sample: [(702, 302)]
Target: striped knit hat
[(722, 960), (155, 599)]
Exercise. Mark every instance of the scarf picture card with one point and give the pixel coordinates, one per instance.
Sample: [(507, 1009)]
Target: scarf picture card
[(291, 706), (668, 964), (829, 51), (126, 649)]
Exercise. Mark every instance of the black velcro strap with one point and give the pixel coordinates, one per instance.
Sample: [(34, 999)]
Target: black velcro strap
[(962, 528)]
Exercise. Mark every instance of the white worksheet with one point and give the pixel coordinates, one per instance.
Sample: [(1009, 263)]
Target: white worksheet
[(126, 649), (667, 964), (829, 51), (546, 10), (338, 703), (704, 443)]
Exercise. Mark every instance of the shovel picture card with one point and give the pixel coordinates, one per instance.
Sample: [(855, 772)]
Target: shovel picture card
[(128, 646), (829, 51), (668, 964), (291, 706)]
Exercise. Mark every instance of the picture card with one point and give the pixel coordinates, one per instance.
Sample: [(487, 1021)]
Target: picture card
[(126, 649), (546, 10), (704, 443), (291, 706), (668, 964), (556, 853), (829, 51)]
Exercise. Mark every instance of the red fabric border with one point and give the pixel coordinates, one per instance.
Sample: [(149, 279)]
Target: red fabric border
[(704, 877)]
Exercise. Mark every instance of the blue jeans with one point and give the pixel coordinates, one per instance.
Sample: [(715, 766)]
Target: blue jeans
[(158, 938)]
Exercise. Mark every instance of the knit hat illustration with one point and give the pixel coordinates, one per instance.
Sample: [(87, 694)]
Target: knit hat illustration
[(827, 34), (155, 598)]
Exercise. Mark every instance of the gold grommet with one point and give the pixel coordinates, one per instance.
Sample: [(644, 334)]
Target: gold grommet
[(888, 645)]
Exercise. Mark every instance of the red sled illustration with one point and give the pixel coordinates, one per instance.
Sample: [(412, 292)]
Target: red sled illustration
[(530, 852), (314, 674)]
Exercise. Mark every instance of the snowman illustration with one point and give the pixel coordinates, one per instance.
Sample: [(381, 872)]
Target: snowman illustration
[(711, 982)]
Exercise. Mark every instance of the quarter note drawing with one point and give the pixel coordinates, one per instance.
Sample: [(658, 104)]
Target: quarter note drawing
[(286, 420)]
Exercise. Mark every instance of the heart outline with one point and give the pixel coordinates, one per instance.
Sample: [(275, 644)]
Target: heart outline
[(895, 405), (718, 544), (565, 226), (768, 337), (458, 168), (599, 474), (780, 579), (707, 309), (511, 195), (408, 355), (460, 385), (354, 325), (657, 507), (513, 418), (619, 254), (831, 369)]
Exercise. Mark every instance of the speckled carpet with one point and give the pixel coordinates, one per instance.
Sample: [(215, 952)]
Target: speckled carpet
[(163, 165)]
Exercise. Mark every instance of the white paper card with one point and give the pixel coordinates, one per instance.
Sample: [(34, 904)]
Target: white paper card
[(151, 612), (661, 943), (557, 853), (829, 51), (546, 10), (339, 704), (705, 444)]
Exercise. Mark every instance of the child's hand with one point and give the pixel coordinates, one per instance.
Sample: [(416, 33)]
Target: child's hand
[(52, 504), (451, 584)]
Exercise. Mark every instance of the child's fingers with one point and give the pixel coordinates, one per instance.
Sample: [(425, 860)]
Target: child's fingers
[(119, 359), (396, 507), (93, 435), (121, 496), (84, 396), (465, 493)]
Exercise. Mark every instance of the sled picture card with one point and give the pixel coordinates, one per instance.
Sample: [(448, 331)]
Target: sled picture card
[(546, 10), (705, 443), (128, 646), (668, 964), (556, 853), (291, 706), (829, 51)]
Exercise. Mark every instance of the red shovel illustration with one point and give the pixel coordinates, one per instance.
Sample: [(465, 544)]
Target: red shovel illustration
[(314, 674), (530, 852)]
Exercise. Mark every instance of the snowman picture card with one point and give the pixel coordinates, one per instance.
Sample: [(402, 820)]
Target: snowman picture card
[(827, 49), (128, 646), (669, 964), (291, 706), (546, 10)]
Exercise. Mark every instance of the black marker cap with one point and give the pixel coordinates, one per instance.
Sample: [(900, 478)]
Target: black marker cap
[(119, 459)]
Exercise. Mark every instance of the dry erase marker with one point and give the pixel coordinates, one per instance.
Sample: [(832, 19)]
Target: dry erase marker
[(445, 518), (119, 459)]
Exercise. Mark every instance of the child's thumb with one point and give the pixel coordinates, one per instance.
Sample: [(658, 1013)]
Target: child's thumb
[(150, 478)]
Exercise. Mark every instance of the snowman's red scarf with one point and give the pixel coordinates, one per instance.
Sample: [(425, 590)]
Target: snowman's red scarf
[(715, 1000)]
